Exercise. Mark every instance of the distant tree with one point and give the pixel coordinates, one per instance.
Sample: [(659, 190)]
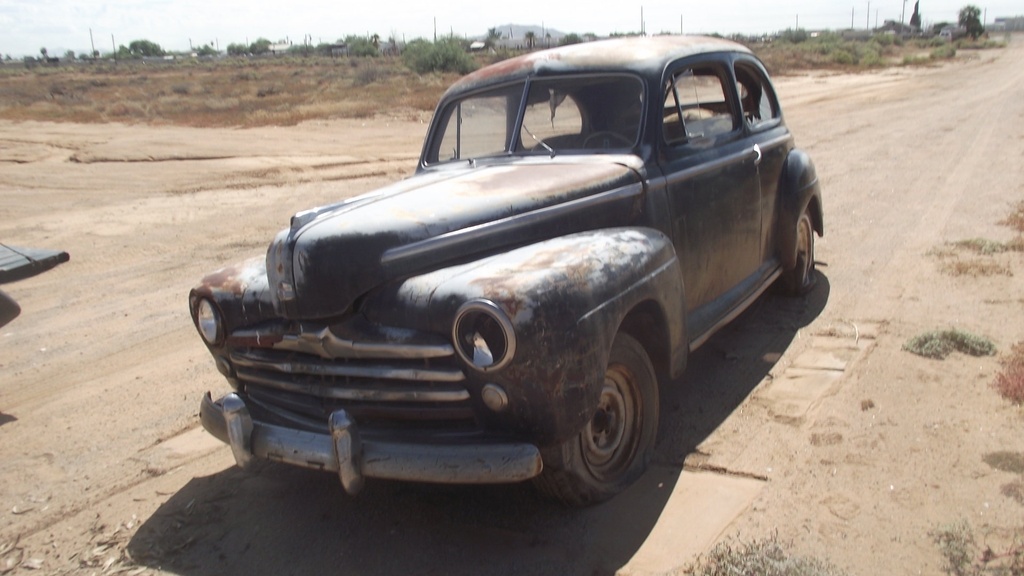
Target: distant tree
[(570, 38), (237, 49), (441, 56), (69, 55), (936, 28), (915, 18), (493, 35), (530, 38), (43, 52), (970, 20), (145, 49), (795, 36), (260, 46), (206, 50), (359, 46), (375, 41)]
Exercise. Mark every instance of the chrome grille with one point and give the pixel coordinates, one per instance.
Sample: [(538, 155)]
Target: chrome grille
[(420, 386)]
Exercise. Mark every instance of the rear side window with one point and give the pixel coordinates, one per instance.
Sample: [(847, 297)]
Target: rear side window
[(756, 96), (697, 108)]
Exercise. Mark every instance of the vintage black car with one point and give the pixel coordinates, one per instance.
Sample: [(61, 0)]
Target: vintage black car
[(580, 220)]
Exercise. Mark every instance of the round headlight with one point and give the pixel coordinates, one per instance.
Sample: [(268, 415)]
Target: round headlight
[(483, 335), (208, 322)]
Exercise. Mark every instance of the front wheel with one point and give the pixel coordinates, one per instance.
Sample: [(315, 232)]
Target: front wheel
[(800, 280), (615, 446)]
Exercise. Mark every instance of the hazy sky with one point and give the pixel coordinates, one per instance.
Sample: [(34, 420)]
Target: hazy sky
[(61, 25)]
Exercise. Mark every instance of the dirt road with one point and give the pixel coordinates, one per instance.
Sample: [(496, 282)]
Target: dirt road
[(847, 446)]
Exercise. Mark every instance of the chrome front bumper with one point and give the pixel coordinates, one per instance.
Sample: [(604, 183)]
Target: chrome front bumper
[(342, 451)]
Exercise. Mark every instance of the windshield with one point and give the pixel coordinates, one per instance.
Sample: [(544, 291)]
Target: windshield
[(569, 114)]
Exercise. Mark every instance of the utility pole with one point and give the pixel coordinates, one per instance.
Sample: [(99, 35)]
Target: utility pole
[(113, 47), (851, 16), (797, 23), (902, 14), (867, 17), (93, 44)]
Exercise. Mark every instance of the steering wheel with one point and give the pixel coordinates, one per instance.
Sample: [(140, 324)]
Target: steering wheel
[(608, 135)]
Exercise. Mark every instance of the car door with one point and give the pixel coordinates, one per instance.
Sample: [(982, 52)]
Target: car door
[(713, 190), (762, 120)]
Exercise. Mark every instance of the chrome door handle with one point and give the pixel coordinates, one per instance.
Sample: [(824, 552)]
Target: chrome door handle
[(757, 155)]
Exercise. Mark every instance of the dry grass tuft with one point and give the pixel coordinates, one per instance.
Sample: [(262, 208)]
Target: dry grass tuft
[(983, 262), (1010, 381), (765, 557), (938, 344), (982, 246), (975, 268), (963, 557), (1016, 218)]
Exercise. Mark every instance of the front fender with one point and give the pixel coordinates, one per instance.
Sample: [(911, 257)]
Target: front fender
[(799, 190), (566, 299)]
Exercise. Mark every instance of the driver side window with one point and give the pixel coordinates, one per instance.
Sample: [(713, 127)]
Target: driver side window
[(696, 108)]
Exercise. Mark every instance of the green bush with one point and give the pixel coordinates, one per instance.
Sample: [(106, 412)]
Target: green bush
[(944, 52), (963, 557), (884, 39), (359, 46), (871, 58), (442, 56), (844, 57), (940, 343)]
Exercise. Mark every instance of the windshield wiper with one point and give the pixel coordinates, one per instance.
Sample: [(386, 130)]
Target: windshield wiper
[(539, 141)]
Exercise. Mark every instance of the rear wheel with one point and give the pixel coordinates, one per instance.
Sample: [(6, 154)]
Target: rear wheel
[(615, 446), (800, 280)]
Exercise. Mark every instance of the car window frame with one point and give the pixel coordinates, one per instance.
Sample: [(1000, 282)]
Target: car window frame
[(517, 146), (755, 67), (723, 70), (432, 150), (431, 155)]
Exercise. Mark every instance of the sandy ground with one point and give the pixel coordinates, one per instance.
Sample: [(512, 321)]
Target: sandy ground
[(803, 418)]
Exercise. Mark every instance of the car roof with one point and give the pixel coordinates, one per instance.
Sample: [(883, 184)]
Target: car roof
[(643, 55)]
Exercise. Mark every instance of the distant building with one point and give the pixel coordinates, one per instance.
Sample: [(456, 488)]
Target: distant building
[(1014, 24)]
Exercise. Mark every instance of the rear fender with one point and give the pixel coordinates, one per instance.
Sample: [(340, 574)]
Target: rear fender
[(799, 190)]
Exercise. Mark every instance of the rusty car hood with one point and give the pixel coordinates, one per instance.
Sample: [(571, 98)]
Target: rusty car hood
[(330, 256)]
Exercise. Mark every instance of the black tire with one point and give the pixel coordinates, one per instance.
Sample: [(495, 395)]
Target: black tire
[(615, 447), (800, 280)]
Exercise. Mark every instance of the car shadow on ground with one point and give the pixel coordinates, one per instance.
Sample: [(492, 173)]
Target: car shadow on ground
[(276, 519)]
